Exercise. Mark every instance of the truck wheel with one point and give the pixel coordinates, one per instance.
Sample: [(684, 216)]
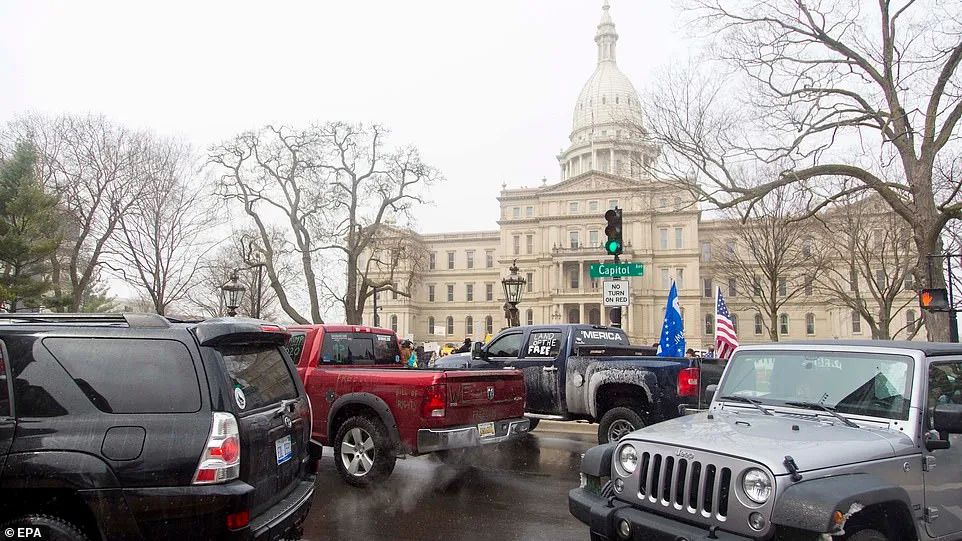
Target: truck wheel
[(617, 422), (867, 534), (56, 529), (363, 451), (532, 423)]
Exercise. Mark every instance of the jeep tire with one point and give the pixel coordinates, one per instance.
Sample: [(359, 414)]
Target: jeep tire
[(532, 423), (363, 453), (55, 528), (617, 422)]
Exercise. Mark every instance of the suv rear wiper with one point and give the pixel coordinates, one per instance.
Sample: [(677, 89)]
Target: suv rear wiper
[(823, 407), (746, 400)]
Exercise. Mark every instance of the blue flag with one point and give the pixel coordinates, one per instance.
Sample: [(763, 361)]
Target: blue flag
[(672, 343)]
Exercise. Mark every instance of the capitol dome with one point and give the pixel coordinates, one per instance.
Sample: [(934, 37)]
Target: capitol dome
[(608, 97)]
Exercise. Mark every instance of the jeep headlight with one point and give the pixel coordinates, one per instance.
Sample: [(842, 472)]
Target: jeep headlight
[(628, 459), (757, 485)]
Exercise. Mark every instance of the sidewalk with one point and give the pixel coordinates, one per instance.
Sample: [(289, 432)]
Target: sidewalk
[(579, 427)]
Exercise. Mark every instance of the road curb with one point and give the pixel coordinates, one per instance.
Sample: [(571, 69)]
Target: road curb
[(566, 426)]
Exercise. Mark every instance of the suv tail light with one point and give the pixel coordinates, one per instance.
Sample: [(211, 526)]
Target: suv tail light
[(220, 461), (688, 382), (435, 399)]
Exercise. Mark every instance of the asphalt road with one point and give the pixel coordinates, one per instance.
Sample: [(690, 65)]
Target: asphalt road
[(514, 491)]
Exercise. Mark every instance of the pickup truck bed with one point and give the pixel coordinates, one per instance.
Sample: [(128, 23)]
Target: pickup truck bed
[(371, 409)]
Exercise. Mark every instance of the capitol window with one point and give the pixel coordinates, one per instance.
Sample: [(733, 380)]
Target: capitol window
[(573, 238), (573, 207), (592, 238), (612, 204), (663, 238), (488, 325), (517, 212), (529, 211), (592, 206), (489, 259), (529, 244), (450, 292)]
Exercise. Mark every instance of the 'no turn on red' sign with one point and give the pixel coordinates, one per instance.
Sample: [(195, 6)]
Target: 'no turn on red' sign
[(615, 292)]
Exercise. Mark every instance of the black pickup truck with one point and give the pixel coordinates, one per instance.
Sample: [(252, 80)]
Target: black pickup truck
[(590, 372)]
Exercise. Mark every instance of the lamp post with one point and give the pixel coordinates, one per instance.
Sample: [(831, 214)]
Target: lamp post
[(233, 291), (513, 286)]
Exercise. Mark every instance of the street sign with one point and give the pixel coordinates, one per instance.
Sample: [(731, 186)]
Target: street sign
[(616, 270), (615, 292)]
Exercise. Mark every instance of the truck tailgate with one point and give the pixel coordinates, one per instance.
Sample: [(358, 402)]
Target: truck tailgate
[(476, 396)]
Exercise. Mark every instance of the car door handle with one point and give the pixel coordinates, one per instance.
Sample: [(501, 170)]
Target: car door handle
[(549, 369)]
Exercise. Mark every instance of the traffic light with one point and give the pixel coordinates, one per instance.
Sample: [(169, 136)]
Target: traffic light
[(615, 243), (934, 299)]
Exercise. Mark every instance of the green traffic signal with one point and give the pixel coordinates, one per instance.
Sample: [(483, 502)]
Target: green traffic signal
[(614, 245)]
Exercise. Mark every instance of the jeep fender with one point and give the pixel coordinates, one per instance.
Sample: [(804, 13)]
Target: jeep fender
[(372, 401), (56, 469), (642, 379), (597, 460), (809, 505)]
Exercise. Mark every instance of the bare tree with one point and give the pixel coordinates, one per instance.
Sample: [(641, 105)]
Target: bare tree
[(372, 186), (872, 257), (164, 233), (98, 170), (333, 185), (770, 257), (830, 89)]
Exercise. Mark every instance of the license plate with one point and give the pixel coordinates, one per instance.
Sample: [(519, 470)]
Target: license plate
[(284, 449), (486, 429)]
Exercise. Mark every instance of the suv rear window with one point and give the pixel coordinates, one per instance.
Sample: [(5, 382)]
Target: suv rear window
[(359, 348), (258, 374), (127, 375), (295, 346)]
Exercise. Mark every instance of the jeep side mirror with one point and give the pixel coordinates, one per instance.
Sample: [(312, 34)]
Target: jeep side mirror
[(477, 351), (710, 392), (947, 418)]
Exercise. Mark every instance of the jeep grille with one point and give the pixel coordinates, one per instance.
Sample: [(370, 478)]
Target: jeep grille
[(688, 485)]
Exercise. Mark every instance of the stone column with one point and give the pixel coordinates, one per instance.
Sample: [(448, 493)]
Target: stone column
[(581, 312), (581, 275)]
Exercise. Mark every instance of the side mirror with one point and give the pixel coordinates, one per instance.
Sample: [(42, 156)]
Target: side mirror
[(710, 392), (477, 351), (947, 418)]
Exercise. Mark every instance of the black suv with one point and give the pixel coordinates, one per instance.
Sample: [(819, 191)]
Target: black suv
[(136, 426)]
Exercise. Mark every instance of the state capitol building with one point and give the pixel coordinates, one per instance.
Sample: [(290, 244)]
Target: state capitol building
[(555, 231)]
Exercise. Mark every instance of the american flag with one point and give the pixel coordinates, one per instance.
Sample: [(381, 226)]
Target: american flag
[(725, 338)]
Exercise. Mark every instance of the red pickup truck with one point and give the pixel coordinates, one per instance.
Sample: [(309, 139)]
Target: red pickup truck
[(371, 409)]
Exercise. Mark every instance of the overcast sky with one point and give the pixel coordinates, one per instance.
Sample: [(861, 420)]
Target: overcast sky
[(485, 89)]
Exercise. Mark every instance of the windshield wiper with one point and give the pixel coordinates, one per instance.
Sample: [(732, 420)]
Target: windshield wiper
[(746, 400), (823, 407)]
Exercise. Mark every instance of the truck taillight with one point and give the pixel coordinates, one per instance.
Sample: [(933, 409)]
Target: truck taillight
[(688, 382), (220, 461), (435, 400)]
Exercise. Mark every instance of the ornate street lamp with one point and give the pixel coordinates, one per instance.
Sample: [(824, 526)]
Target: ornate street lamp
[(513, 290), (233, 291)]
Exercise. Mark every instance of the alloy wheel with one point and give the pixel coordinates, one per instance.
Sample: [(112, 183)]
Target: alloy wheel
[(357, 452), (618, 429)]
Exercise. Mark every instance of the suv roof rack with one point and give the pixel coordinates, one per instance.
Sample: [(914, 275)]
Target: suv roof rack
[(133, 320)]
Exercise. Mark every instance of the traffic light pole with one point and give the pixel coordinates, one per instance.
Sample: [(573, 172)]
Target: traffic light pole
[(614, 246)]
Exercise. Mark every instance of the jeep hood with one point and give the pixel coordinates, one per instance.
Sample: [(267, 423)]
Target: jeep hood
[(768, 439)]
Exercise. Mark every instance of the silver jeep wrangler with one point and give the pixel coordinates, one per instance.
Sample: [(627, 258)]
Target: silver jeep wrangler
[(814, 440)]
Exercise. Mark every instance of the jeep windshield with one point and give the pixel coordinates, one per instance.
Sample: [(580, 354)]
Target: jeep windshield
[(873, 385)]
